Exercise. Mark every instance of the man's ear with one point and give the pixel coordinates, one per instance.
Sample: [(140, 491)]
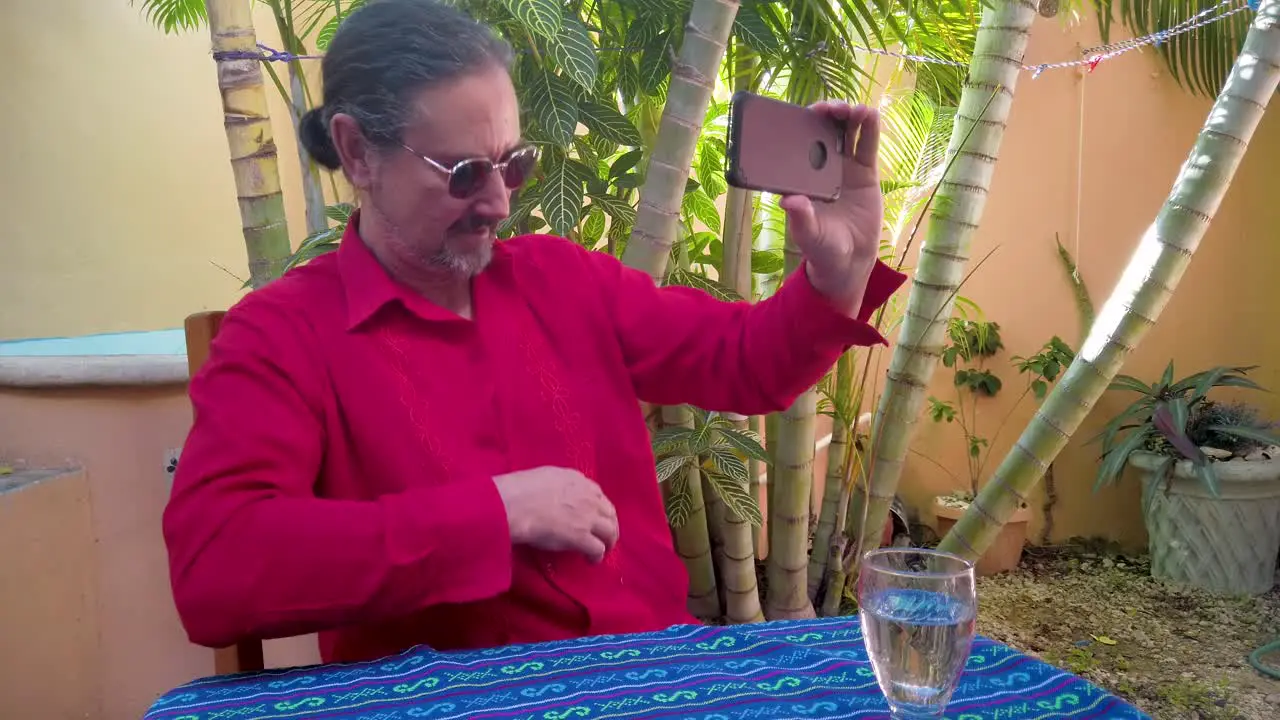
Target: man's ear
[(353, 148)]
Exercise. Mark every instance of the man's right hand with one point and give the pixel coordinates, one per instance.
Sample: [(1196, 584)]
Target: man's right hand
[(558, 509)]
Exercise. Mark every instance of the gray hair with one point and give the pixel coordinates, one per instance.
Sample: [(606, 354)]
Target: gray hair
[(384, 53)]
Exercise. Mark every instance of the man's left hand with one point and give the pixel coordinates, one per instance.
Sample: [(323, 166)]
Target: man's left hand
[(840, 240)]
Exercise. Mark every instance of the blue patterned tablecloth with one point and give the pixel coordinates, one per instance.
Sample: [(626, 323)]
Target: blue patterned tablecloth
[(800, 669)]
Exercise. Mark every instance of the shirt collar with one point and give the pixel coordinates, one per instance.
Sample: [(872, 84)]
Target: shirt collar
[(368, 286)]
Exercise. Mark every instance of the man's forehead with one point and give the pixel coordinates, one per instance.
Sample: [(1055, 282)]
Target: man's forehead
[(474, 115)]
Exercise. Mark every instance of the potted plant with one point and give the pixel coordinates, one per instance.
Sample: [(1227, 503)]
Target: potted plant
[(972, 342), (1210, 479)]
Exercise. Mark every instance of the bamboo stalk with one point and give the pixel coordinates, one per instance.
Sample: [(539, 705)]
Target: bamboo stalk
[(791, 485), (975, 143), (831, 494), (252, 147), (693, 79), (1144, 289)]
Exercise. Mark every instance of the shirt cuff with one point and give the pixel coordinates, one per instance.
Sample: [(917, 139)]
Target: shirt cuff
[(825, 321), (457, 538)]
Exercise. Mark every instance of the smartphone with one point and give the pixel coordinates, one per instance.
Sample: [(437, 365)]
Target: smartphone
[(781, 148)]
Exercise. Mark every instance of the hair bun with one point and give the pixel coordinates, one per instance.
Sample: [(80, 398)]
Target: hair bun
[(313, 131)]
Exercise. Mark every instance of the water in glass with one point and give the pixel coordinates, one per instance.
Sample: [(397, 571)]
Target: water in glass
[(918, 609)]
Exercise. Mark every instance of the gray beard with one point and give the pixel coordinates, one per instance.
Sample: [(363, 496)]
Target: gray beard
[(462, 264), (467, 264)]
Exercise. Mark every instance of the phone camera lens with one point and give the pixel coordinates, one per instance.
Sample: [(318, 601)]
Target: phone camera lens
[(818, 155)]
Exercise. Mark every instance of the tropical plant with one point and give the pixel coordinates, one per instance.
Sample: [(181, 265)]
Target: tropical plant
[(1145, 286), (713, 452), (1176, 419), (971, 343), (977, 339)]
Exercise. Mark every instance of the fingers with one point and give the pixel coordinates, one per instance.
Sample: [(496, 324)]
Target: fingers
[(593, 548), (802, 222), (868, 147), (606, 531), (862, 126)]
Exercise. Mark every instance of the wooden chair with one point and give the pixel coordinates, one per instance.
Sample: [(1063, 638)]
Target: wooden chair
[(200, 330)]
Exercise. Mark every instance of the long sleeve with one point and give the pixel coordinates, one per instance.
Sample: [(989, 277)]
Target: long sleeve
[(683, 346), (255, 553)]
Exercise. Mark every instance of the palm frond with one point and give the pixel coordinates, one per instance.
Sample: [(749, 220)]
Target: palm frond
[(914, 152), (174, 16), (1199, 60)]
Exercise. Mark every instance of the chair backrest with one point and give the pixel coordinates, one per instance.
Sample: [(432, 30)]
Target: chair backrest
[(200, 330)]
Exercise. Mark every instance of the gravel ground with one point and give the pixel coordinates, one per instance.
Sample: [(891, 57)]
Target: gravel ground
[(1174, 652)]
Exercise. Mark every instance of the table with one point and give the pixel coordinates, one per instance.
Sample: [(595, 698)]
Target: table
[(791, 669)]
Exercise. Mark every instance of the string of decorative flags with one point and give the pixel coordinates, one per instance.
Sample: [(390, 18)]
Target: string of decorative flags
[(1093, 56)]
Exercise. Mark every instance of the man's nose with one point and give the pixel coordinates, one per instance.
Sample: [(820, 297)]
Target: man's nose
[(493, 200)]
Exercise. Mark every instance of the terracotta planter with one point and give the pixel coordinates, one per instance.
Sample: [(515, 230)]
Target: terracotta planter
[(1005, 553)]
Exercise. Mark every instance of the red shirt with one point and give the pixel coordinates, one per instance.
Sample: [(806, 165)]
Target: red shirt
[(337, 477)]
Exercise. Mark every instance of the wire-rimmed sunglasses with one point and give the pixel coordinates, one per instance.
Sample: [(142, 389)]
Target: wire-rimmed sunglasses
[(466, 177)]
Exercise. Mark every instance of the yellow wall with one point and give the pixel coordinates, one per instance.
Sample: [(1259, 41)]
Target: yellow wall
[(114, 170)]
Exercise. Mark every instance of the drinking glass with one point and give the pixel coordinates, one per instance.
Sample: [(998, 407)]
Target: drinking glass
[(918, 609)]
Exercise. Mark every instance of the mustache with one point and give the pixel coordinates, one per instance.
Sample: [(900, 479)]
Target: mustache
[(477, 221)]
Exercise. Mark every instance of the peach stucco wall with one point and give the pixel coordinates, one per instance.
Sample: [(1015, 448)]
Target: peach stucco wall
[(1138, 128), (99, 533)]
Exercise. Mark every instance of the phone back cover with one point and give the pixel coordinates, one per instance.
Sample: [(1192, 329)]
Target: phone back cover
[(774, 146)]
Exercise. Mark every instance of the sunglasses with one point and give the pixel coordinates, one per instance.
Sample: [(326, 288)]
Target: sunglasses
[(467, 177)]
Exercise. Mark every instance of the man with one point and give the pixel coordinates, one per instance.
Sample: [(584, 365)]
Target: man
[(429, 437)]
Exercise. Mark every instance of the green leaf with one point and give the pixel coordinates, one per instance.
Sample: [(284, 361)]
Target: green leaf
[(751, 28), (1257, 435), (620, 210), (672, 441), (1039, 388), (734, 492), (703, 208), (593, 228), (313, 246), (728, 464), (1128, 382), (668, 467), (655, 64), (542, 17), (626, 161), (552, 102), (767, 262), (609, 123), (684, 278), (586, 175), (561, 197), (173, 16), (1152, 486), (678, 501), (619, 233), (574, 52), (1209, 477), (1114, 461), (525, 201), (339, 212), (327, 32), (711, 171), (746, 442)]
